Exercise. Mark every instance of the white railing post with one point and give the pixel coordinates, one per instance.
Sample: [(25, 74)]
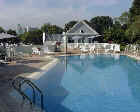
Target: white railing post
[(65, 42)]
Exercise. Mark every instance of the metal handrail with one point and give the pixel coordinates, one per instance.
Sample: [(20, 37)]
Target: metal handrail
[(31, 87), (21, 80), (22, 94), (31, 84)]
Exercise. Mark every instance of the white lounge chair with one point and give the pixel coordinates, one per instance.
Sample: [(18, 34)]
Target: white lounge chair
[(35, 51), (92, 49), (2, 62), (84, 49)]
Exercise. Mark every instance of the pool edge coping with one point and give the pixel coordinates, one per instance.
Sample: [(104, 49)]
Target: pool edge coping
[(36, 75)]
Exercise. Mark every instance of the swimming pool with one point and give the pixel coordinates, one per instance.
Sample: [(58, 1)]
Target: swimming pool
[(98, 83)]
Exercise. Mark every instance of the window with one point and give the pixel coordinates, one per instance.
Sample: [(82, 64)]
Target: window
[(81, 31)]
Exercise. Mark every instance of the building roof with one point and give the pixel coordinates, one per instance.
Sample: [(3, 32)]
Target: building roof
[(79, 29), (82, 28)]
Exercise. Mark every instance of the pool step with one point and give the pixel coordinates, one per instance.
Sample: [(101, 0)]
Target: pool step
[(18, 83)]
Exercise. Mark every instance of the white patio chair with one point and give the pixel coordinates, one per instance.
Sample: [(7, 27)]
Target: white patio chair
[(92, 49), (35, 51), (84, 49)]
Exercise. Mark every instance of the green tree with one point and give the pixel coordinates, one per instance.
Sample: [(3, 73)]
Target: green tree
[(12, 32), (51, 29), (34, 37), (56, 29), (124, 18), (133, 32), (69, 25), (107, 35), (101, 23), (117, 25), (115, 35), (45, 28), (135, 10), (2, 30), (23, 36)]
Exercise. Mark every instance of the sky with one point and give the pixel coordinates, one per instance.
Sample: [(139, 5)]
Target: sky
[(37, 12)]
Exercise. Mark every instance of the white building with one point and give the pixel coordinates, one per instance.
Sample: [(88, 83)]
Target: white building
[(81, 35)]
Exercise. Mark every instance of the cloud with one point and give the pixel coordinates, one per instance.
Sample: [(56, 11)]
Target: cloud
[(105, 2), (37, 12)]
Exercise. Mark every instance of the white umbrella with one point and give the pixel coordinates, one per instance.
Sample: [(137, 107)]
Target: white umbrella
[(77, 37), (6, 36), (44, 37)]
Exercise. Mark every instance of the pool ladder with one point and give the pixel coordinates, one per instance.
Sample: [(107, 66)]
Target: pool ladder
[(17, 84)]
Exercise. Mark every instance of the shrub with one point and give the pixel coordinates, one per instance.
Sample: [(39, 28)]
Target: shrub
[(122, 47)]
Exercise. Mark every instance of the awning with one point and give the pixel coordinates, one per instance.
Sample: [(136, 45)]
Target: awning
[(92, 37), (77, 37)]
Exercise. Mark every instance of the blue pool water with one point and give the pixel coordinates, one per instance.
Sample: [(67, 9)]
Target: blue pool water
[(100, 83)]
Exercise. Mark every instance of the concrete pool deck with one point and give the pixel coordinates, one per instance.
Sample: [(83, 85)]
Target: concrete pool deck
[(36, 75), (32, 67), (134, 57)]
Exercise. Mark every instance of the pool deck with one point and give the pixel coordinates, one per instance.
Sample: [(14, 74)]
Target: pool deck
[(31, 66), (134, 57)]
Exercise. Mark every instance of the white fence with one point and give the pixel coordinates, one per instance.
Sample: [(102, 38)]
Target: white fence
[(105, 46), (132, 50)]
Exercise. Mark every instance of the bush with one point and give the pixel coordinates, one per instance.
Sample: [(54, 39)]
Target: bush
[(122, 47)]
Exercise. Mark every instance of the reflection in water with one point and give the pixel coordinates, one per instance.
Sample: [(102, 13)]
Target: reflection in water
[(111, 79), (133, 69), (82, 63), (116, 56), (65, 63)]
